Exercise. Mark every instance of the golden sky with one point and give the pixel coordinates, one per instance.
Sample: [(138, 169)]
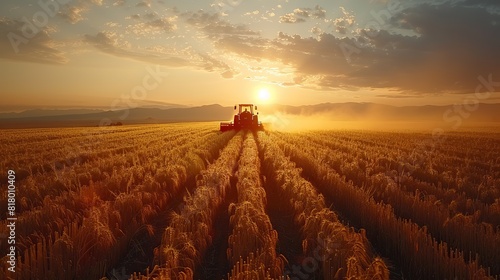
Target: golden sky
[(108, 53)]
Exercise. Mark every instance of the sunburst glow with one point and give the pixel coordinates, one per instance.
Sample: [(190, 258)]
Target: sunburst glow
[(264, 95)]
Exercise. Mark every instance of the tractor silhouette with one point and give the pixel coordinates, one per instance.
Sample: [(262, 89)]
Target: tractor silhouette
[(246, 118)]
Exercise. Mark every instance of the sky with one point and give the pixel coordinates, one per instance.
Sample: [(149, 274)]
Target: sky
[(119, 53)]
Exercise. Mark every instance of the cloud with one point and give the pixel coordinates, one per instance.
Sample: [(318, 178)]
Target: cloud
[(134, 16), (154, 26), (211, 64), (316, 30), (39, 48), (212, 24), (229, 74), (483, 3), (151, 24), (150, 16), (302, 14), (118, 2), (144, 3), (111, 44), (397, 96), (437, 48), (344, 23), (72, 14), (223, 28), (319, 12), (253, 13), (249, 47), (112, 24), (291, 18), (446, 55), (97, 2)]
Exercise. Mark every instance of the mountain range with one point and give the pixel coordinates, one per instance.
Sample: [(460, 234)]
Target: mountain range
[(215, 112)]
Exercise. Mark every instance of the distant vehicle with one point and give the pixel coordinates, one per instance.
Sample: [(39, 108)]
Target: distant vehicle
[(246, 118)]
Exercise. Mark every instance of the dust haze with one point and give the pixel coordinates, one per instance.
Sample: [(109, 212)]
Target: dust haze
[(366, 116)]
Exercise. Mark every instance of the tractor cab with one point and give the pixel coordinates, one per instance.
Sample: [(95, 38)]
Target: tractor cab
[(246, 118), (245, 108)]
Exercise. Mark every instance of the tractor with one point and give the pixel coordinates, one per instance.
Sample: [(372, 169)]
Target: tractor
[(246, 118)]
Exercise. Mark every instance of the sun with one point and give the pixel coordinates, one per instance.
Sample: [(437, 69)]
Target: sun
[(264, 95)]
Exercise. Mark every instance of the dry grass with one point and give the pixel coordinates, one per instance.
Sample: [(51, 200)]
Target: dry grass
[(85, 194), (253, 237)]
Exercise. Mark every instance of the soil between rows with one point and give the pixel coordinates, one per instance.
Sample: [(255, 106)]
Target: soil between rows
[(140, 250), (215, 264)]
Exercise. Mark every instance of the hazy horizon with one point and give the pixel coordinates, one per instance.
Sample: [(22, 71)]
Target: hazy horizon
[(111, 53), (20, 109)]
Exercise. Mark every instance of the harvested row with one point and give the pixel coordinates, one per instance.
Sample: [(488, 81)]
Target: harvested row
[(190, 232), (252, 244), (420, 254), (459, 231), (83, 245), (337, 250)]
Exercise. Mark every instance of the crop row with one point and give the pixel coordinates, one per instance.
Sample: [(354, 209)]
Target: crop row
[(437, 166), (339, 251), (79, 234), (30, 155), (189, 234), (420, 254), (75, 200), (252, 244), (459, 231), (81, 166), (378, 175)]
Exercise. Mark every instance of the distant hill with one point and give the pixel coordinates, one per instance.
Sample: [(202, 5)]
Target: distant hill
[(47, 112), (127, 116), (215, 112), (61, 112)]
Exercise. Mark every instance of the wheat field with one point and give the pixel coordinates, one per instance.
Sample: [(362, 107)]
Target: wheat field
[(185, 201)]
